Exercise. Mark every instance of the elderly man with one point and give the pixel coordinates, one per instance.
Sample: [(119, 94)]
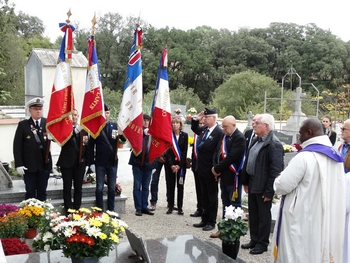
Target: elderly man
[(31, 150), (228, 161), (263, 163), (344, 147), (310, 227), (209, 137)]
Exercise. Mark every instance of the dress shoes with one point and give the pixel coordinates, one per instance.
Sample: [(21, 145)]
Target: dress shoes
[(251, 244), (169, 211), (180, 212), (147, 212), (208, 227), (196, 214), (258, 250), (201, 224), (215, 235), (138, 213)]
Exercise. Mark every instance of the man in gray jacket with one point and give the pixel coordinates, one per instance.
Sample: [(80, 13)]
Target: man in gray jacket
[(263, 163)]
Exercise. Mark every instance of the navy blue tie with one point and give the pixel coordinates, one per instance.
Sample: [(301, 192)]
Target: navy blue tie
[(203, 139)]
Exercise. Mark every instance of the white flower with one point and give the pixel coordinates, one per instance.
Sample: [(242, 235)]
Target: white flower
[(47, 247), (47, 236), (94, 231)]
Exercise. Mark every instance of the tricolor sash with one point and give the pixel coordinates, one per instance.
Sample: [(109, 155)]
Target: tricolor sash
[(177, 152), (232, 167)]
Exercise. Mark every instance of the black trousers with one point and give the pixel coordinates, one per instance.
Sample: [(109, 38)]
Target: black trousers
[(75, 174), (209, 189), (171, 180), (198, 191), (259, 219)]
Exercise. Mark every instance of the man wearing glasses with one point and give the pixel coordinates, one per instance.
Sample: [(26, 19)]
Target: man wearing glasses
[(263, 163), (344, 147), (209, 137)]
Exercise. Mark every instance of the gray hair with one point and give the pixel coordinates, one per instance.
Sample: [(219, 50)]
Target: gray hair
[(269, 120)]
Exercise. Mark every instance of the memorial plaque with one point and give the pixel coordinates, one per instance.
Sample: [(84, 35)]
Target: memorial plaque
[(285, 138)]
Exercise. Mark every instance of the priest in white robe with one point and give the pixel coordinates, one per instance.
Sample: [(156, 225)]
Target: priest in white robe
[(311, 222)]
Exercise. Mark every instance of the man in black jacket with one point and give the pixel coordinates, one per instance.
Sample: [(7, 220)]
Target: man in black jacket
[(228, 161), (209, 137), (31, 150), (73, 161), (263, 163)]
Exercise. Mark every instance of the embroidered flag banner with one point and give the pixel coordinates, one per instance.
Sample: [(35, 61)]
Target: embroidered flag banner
[(130, 119), (58, 123), (160, 126), (93, 118)]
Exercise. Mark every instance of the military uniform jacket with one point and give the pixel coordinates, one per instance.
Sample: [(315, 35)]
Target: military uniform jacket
[(26, 149)]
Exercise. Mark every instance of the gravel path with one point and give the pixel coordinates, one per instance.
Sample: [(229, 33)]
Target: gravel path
[(162, 225)]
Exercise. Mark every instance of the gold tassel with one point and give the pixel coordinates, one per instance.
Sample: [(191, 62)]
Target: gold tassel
[(234, 195), (275, 252)]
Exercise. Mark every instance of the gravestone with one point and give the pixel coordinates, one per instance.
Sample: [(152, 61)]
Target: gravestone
[(5, 179), (283, 137)]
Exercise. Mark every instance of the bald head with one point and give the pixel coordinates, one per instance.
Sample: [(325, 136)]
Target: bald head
[(310, 128), (229, 124)]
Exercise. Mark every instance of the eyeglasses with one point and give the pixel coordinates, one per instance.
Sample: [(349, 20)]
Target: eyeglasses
[(208, 116), (344, 129), (257, 123), (225, 126)]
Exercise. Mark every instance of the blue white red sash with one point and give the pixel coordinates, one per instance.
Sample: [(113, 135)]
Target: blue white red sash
[(177, 152), (232, 167)]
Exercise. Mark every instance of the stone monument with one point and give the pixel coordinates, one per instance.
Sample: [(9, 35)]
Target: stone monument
[(5, 179), (295, 120)]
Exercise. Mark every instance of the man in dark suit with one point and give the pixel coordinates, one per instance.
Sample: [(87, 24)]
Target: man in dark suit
[(73, 161), (31, 150), (103, 157), (209, 137), (228, 161)]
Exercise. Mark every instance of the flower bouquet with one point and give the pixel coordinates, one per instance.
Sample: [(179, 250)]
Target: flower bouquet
[(118, 188), (83, 233), (291, 148)]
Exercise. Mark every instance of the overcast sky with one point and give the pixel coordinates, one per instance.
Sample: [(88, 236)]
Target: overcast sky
[(188, 14)]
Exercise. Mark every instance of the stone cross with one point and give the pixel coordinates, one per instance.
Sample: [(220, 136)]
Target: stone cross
[(250, 119)]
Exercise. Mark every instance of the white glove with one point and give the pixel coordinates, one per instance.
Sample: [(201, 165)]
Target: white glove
[(92, 168), (145, 131), (77, 129), (86, 169), (21, 170)]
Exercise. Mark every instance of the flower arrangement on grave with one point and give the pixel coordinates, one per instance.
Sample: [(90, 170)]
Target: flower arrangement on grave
[(118, 188), (13, 224), (14, 246), (91, 177), (190, 113), (7, 208), (290, 148), (34, 209), (177, 111), (232, 227), (83, 233)]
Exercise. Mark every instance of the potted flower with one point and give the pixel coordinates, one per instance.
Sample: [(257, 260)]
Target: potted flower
[(82, 234), (231, 228), (14, 246), (33, 209), (7, 208), (13, 224)]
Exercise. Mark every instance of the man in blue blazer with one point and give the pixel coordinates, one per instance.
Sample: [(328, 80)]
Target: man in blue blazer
[(103, 153)]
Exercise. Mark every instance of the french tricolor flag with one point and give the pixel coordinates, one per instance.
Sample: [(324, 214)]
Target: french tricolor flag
[(160, 126), (59, 124), (130, 119)]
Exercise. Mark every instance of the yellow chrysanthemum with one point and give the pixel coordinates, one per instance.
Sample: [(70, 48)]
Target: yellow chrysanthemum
[(103, 236), (95, 222)]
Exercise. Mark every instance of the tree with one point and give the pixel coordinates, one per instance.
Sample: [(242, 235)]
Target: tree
[(29, 26)]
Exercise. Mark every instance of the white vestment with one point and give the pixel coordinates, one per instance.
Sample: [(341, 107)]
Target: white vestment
[(347, 221), (313, 214)]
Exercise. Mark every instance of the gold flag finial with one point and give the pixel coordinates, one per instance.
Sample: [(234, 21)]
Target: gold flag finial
[(69, 13), (94, 22)]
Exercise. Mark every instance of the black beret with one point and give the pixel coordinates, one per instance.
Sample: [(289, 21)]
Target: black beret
[(106, 108), (209, 111), (146, 117)]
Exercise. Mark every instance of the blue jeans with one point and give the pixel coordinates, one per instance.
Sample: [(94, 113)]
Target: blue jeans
[(226, 195), (111, 172), (155, 183), (36, 184), (142, 178)]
